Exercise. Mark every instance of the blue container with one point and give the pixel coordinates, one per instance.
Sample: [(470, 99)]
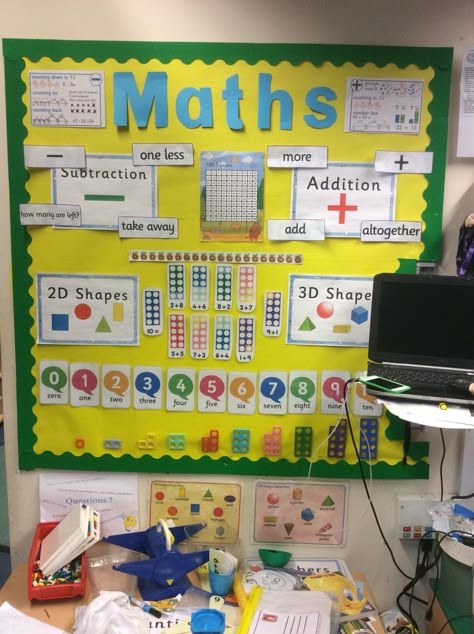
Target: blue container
[(220, 584), (207, 621)]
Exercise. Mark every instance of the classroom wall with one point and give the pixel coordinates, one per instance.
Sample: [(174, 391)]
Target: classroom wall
[(421, 23)]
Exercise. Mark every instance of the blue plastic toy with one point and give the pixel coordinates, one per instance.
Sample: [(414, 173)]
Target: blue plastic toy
[(163, 575)]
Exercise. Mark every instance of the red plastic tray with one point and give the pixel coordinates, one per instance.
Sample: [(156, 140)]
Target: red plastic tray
[(60, 591)]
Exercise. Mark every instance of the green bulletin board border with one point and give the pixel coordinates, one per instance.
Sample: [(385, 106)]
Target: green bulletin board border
[(440, 59)]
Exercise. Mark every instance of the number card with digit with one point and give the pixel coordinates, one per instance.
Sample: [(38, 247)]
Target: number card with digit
[(241, 392), (273, 389), (176, 336), (246, 288), (147, 382), (222, 348), (199, 287), (116, 386), (245, 339), (84, 384), (199, 336), (223, 296), (272, 313), (54, 382), (180, 390), (152, 311), (302, 392), (176, 286), (212, 391), (332, 391)]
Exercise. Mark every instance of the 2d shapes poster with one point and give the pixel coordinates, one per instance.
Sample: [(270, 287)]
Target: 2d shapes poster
[(329, 311), (87, 309)]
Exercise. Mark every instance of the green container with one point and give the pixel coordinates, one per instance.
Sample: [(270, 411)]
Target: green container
[(455, 584)]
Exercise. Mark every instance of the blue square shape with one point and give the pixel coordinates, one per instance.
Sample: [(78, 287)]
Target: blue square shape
[(59, 321)]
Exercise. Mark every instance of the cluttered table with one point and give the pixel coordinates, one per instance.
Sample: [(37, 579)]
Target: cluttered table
[(61, 613)]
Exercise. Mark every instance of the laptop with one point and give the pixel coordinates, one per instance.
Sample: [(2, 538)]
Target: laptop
[(422, 335)]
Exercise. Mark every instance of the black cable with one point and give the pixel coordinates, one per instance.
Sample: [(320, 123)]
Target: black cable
[(364, 481), (455, 618), (462, 497), (437, 557), (421, 571), (441, 463), (409, 589)]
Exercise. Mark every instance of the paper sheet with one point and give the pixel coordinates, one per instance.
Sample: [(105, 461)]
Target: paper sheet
[(292, 613), (465, 145), (15, 622), (452, 417), (114, 495)]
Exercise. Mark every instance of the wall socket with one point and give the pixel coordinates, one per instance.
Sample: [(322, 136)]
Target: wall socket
[(413, 517)]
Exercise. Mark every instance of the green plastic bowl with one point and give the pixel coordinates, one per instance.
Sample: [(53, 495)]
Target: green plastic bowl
[(274, 558)]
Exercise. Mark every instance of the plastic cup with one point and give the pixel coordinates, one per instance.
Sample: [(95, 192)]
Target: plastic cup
[(220, 584)]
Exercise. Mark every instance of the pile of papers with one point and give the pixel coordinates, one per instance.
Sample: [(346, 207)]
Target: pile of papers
[(79, 530)]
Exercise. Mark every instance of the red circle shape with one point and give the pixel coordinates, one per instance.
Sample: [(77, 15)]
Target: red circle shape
[(83, 311), (218, 512)]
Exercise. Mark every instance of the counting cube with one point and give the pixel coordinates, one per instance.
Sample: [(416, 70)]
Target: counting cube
[(359, 315)]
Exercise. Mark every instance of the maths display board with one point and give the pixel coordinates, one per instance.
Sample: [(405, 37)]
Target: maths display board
[(195, 228)]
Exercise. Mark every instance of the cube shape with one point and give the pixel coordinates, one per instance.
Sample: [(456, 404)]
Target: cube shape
[(359, 315)]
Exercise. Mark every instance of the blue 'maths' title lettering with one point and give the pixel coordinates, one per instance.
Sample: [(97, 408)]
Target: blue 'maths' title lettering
[(200, 115)]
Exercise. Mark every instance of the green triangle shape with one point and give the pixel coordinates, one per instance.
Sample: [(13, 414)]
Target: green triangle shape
[(328, 501), (208, 494), (307, 325), (103, 326)]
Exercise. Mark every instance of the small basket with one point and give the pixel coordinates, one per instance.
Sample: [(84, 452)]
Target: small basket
[(59, 590)]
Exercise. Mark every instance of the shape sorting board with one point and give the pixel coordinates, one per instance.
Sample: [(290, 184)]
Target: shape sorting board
[(215, 503), (294, 513)]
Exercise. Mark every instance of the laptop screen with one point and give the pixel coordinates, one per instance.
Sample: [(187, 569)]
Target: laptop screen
[(422, 320)]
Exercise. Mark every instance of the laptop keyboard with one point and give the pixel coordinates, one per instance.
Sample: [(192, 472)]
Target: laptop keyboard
[(416, 376)]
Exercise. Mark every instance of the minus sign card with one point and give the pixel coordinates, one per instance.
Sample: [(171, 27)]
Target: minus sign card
[(116, 386)]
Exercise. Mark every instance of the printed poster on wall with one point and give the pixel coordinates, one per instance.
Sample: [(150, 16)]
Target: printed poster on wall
[(189, 221)]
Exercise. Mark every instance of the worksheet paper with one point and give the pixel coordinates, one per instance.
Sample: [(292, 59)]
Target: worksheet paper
[(114, 495), (465, 147), (292, 613), (15, 622)]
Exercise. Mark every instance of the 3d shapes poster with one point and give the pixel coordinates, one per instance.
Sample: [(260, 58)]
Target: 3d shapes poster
[(195, 229)]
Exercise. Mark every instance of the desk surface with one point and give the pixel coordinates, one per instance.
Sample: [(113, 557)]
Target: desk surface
[(61, 612)]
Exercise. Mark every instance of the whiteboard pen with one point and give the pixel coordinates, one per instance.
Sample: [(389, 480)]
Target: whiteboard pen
[(145, 607)]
